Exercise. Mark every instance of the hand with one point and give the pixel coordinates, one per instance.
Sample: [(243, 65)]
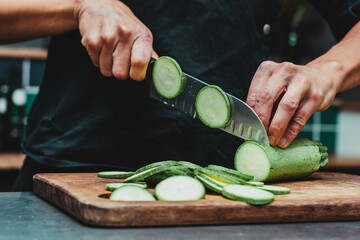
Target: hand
[(285, 95), (117, 42)]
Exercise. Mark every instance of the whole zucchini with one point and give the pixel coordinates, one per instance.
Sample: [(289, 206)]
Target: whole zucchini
[(300, 159)]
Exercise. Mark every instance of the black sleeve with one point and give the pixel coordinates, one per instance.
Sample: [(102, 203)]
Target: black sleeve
[(341, 15)]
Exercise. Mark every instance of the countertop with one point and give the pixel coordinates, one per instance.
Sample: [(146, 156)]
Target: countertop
[(26, 216)]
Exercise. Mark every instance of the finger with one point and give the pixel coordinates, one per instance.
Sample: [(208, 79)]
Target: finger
[(93, 44), (297, 123), (121, 61), (106, 59), (140, 57), (285, 111), (263, 72), (271, 89), (109, 40), (154, 55)]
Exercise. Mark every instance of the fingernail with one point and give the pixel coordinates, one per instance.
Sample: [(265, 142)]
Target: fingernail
[(282, 142), (272, 140)]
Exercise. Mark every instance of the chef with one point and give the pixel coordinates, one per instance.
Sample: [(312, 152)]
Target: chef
[(93, 111)]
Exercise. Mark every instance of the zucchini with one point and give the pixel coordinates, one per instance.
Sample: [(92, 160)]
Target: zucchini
[(157, 164), (255, 184), (189, 165), (155, 179), (276, 189), (213, 106), (131, 193), (180, 188), (115, 174), (244, 176), (210, 185), (113, 186), (169, 80), (212, 180), (223, 177), (152, 171), (300, 159), (247, 194)]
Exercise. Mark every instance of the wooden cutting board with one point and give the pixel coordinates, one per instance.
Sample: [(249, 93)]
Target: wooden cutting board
[(322, 197)]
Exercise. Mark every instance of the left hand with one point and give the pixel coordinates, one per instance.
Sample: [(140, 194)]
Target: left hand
[(285, 95)]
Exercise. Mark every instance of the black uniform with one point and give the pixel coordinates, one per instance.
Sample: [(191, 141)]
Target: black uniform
[(83, 121)]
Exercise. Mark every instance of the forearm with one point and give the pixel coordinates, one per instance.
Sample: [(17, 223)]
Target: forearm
[(27, 19), (342, 61)]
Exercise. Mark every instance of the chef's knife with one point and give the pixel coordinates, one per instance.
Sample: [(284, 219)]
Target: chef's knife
[(244, 122)]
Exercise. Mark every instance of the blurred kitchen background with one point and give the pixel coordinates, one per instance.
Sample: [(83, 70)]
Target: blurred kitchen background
[(299, 36)]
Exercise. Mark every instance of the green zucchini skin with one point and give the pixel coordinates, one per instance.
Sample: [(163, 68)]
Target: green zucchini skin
[(299, 160)]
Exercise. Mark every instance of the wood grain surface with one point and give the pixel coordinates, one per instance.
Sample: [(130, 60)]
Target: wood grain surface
[(321, 197)]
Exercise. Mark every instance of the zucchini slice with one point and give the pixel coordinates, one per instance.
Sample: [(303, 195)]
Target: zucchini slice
[(131, 193), (230, 171), (180, 188), (168, 79), (247, 194), (115, 174), (210, 185), (213, 106), (113, 186), (277, 190)]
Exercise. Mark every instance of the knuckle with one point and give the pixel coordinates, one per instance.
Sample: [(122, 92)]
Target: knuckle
[(292, 131), (299, 121), (317, 95), (286, 67), (276, 128), (107, 38), (290, 104), (124, 32), (93, 44), (263, 95), (120, 74), (139, 62), (251, 99), (266, 65)]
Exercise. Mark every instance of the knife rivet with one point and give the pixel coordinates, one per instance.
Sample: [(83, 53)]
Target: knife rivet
[(241, 128), (249, 133)]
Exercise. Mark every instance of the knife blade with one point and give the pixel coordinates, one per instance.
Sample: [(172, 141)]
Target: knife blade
[(244, 123)]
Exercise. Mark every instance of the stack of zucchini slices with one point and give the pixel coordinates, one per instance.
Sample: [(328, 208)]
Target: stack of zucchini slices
[(186, 181)]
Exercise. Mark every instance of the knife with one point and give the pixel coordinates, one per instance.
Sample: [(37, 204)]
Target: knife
[(244, 123)]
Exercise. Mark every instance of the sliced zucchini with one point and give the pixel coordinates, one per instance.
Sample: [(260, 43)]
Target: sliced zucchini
[(113, 186), (157, 164), (131, 193), (247, 194), (180, 188), (168, 79), (255, 184), (152, 171), (114, 174), (155, 179), (212, 180), (210, 185), (244, 176), (213, 106), (190, 165), (276, 189), (223, 177)]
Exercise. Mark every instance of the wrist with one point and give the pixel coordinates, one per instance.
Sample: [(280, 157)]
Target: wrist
[(332, 70)]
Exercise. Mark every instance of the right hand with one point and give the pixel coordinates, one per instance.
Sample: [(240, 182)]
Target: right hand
[(117, 41)]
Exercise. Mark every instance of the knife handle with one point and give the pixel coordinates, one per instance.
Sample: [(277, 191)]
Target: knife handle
[(150, 68)]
